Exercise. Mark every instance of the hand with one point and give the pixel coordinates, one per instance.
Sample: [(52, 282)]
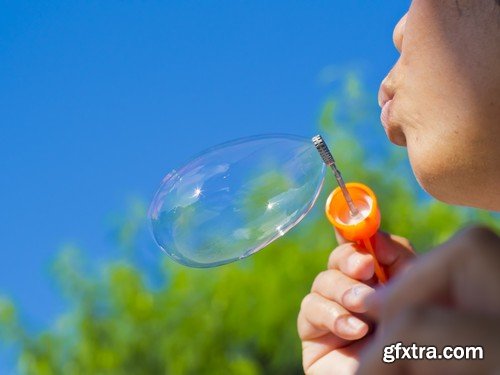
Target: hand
[(331, 322), (451, 296)]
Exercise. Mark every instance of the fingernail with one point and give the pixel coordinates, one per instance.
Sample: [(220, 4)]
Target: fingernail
[(357, 295), (355, 323), (350, 325)]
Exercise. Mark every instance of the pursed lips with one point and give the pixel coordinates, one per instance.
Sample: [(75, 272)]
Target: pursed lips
[(385, 101), (384, 93)]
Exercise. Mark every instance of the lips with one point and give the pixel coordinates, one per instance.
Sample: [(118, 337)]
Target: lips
[(385, 93), (386, 102), (385, 113)]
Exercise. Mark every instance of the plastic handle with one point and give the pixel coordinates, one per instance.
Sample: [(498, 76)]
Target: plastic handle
[(361, 231), (379, 270)]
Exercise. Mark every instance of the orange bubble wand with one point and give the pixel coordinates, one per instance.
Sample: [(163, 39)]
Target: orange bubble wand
[(352, 209)]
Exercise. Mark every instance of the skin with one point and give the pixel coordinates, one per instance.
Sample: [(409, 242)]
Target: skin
[(442, 101), (446, 98), (333, 323)]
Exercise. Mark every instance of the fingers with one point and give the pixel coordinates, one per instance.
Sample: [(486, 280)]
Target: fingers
[(319, 316), (316, 353), (343, 360), (336, 286), (435, 327), (353, 261), (394, 253)]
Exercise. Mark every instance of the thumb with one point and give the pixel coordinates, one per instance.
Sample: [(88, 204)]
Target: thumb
[(392, 252)]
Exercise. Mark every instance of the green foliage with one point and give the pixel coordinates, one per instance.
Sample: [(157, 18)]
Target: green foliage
[(235, 319)]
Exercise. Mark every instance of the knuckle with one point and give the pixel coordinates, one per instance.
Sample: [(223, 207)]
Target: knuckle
[(340, 253), (332, 259), (321, 279), (300, 319), (327, 282), (337, 253), (306, 301)]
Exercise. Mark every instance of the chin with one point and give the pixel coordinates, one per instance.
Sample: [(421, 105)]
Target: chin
[(453, 177), (436, 190), (433, 185), (442, 180), (455, 189)]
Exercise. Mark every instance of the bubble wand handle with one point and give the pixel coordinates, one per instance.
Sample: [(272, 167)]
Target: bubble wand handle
[(345, 215), (379, 270)]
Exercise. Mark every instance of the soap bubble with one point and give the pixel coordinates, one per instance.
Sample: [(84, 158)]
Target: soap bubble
[(234, 199)]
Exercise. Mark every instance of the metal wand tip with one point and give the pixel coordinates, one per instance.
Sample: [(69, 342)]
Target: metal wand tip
[(323, 150)]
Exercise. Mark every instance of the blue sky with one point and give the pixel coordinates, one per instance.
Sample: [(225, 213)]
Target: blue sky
[(98, 98)]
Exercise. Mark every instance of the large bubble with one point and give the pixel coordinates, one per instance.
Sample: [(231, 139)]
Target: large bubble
[(236, 198)]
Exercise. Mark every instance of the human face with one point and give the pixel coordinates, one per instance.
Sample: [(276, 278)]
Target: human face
[(442, 98)]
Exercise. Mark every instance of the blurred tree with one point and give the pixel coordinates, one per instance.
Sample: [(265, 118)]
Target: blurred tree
[(236, 319)]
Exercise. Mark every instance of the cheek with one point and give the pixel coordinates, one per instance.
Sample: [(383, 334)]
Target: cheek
[(453, 158), (444, 102)]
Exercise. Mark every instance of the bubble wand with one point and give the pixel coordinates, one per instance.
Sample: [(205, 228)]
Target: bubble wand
[(352, 209)]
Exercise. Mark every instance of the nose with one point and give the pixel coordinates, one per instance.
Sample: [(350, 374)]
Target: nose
[(397, 35)]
